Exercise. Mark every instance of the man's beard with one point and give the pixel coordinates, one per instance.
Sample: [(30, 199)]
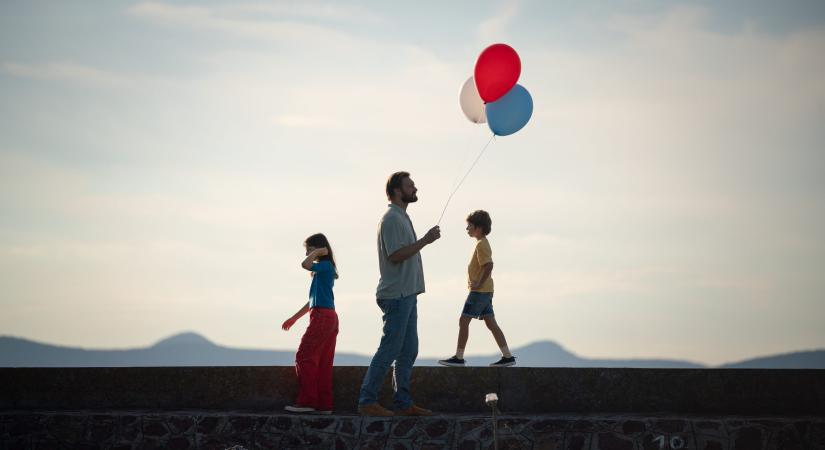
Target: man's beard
[(409, 198)]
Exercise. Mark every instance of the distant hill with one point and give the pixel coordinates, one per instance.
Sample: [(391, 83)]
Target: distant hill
[(192, 349), (812, 359), (551, 354), (185, 349)]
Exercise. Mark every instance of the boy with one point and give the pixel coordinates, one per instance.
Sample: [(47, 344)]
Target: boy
[(479, 302)]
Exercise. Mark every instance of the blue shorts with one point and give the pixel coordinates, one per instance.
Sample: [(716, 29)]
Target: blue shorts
[(478, 305)]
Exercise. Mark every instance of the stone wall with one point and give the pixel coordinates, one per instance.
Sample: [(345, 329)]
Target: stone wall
[(449, 390), (204, 430), (582, 409)]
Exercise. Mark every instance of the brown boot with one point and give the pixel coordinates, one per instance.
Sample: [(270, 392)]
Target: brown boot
[(374, 410), (414, 411)]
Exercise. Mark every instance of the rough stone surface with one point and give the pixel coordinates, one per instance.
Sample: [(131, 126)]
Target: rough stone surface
[(564, 409), (752, 392), (184, 430)]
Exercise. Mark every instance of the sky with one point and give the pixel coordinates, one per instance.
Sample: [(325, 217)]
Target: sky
[(161, 164)]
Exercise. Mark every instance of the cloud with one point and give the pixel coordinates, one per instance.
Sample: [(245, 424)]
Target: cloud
[(495, 28), (343, 83), (228, 21), (329, 11), (686, 102), (299, 121), (67, 71), (398, 90)]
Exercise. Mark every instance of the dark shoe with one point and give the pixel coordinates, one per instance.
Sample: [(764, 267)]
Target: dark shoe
[(452, 362), (299, 409), (374, 410), (323, 412), (414, 411), (504, 362)]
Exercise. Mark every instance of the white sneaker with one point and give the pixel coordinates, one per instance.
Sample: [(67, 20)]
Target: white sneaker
[(299, 409)]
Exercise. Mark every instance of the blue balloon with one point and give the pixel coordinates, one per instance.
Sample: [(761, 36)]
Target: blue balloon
[(511, 112)]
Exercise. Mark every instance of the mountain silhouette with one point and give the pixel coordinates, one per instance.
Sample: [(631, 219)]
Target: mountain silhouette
[(812, 359), (551, 354), (184, 339), (184, 349), (192, 349)]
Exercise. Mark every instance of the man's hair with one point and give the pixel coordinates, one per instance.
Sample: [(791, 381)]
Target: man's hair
[(394, 182), (481, 219)]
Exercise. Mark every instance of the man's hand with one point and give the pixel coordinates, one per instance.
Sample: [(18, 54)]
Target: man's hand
[(432, 235), (403, 253), (474, 284), (288, 323)]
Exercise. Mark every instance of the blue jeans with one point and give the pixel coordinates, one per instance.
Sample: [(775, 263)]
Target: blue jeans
[(399, 343), (478, 305)]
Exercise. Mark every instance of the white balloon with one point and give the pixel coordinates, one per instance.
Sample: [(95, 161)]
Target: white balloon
[(471, 102)]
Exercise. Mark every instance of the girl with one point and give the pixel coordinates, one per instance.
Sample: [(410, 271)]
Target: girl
[(313, 361)]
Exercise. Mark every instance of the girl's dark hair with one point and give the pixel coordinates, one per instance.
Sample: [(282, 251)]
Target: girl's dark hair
[(394, 182), (318, 240), (481, 219)]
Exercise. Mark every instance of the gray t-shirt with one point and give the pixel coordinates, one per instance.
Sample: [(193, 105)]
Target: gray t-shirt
[(407, 277)]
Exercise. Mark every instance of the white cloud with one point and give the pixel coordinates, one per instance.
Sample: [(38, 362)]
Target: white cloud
[(67, 71), (496, 28), (344, 83), (681, 99), (224, 21), (299, 121), (311, 10)]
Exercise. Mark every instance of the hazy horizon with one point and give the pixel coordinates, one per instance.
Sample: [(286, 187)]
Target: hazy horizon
[(544, 353), (161, 164), (367, 353)]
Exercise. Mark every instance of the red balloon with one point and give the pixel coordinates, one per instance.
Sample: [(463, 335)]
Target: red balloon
[(497, 71)]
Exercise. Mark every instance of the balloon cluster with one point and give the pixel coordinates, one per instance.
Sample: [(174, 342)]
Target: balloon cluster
[(492, 95)]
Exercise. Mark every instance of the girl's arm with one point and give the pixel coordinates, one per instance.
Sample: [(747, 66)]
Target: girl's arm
[(487, 270), (312, 256), (291, 321)]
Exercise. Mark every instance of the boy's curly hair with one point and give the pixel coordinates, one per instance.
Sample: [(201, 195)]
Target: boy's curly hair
[(481, 219)]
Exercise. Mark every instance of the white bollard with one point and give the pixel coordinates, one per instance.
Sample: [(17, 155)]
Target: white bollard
[(491, 400)]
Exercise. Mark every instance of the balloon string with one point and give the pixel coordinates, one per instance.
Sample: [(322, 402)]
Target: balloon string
[(468, 153), (463, 178)]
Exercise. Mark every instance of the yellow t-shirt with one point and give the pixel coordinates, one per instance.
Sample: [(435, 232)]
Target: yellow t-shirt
[(482, 254)]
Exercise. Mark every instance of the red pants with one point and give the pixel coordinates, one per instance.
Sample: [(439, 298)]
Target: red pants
[(313, 361)]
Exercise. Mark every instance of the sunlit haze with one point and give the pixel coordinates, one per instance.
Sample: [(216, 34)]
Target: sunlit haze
[(161, 164)]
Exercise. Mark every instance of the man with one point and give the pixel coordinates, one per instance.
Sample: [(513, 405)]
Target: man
[(402, 279)]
